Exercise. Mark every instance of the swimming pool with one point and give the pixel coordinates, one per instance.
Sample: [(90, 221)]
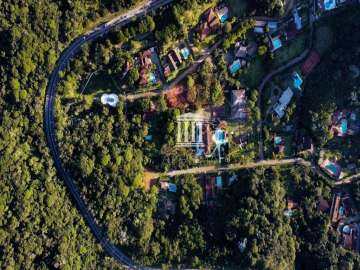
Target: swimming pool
[(277, 140), (109, 99), (344, 126), (185, 53), (219, 136), (332, 168), (235, 66), (297, 80), (329, 4), (224, 17), (276, 43), (152, 77)]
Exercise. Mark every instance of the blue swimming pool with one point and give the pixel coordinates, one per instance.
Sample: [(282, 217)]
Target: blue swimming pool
[(329, 4), (152, 77), (235, 66), (185, 53), (277, 140), (297, 80), (276, 43), (332, 168), (224, 17), (219, 136), (344, 126)]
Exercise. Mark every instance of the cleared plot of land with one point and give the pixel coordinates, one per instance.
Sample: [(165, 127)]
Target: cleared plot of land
[(99, 83)]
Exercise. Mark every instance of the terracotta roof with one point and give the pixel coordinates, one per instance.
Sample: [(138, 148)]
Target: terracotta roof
[(210, 23), (176, 97), (291, 204), (334, 212)]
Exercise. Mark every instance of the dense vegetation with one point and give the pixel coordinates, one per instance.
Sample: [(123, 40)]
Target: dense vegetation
[(105, 151), (40, 228), (330, 89)]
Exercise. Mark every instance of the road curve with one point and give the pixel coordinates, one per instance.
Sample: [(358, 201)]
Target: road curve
[(49, 124)]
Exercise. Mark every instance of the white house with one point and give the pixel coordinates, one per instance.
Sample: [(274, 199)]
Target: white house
[(283, 102)]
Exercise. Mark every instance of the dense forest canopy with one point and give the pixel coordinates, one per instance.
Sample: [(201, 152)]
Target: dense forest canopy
[(104, 150), (40, 228)]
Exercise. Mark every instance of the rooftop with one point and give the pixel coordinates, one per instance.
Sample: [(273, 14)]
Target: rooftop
[(239, 109)]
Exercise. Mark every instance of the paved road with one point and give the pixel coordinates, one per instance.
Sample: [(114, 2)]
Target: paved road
[(238, 166), (348, 180), (49, 124), (234, 166), (275, 72)]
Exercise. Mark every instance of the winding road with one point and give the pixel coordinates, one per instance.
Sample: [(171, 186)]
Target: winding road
[(49, 124)]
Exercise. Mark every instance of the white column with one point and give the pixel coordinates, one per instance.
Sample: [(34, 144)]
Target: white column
[(193, 130), (186, 135), (178, 137), (199, 124)]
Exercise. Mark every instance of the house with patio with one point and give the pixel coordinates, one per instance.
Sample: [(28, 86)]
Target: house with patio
[(245, 50), (279, 144), (345, 123), (209, 24), (147, 74)]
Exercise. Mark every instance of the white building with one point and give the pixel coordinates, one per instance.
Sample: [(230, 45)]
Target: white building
[(281, 105), (109, 99)]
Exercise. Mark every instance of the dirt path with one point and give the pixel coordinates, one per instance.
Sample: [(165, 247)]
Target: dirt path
[(178, 79), (230, 167)]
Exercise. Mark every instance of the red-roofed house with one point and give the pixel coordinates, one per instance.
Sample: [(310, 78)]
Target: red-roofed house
[(210, 23)]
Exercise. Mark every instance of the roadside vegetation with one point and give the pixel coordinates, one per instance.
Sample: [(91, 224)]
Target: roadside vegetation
[(107, 150)]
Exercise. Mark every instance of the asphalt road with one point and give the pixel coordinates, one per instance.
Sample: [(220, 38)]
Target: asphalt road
[(49, 124)]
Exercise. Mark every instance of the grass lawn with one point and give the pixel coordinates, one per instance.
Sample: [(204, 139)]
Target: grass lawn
[(237, 8), (252, 76), (290, 50), (100, 82)]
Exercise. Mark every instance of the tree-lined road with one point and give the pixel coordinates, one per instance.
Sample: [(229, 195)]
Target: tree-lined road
[(49, 124)]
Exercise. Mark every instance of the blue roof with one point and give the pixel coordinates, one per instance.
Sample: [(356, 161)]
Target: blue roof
[(276, 42), (235, 66), (219, 181), (272, 25)]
